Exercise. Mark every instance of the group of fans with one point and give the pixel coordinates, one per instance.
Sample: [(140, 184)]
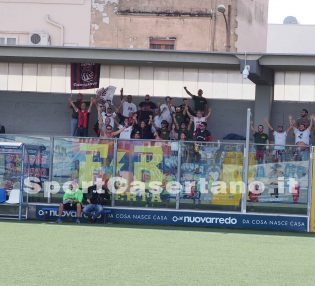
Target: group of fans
[(148, 120), (302, 132), (165, 121)]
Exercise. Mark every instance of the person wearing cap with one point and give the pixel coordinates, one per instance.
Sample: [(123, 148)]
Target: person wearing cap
[(167, 110), (280, 137), (136, 135), (200, 102), (202, 134)]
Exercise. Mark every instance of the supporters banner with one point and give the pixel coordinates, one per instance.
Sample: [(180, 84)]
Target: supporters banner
[(85, 76), (312, 216), (146, 161)]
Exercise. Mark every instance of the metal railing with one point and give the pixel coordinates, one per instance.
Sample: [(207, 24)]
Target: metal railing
[(221, 176)]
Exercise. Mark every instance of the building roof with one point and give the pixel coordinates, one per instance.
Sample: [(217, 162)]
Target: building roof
[(30, 54)]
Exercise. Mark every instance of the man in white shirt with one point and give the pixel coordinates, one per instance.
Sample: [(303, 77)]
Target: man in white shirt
[(302, 139), (198, 119), (127, 106), (126, 133), (167, 109), (109, 114), (280, 137), (157, 121)]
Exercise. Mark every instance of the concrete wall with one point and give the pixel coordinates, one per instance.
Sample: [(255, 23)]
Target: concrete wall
[(32, 113), (49, 114), (130, 24), (24, 17), (291, 38), (294, 86), (136, 80)]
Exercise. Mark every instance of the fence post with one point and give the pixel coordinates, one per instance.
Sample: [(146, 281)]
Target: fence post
[(21, 183), (51, 164), (245, 163), (178, 171), (309, 191), (114, 170)]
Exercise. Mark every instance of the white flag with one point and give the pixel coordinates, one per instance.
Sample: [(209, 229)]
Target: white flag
[(105, 95)]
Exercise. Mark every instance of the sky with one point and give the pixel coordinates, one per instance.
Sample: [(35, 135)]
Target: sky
[(303, 10)]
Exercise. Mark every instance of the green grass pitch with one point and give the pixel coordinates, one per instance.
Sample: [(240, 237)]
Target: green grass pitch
[(67, 254)]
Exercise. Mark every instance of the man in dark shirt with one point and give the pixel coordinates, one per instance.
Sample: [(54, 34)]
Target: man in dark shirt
[(96, 199), (261, 140), (184, 106), (200, 102), (165, 131), (144, 113), (201, 133), (179, 115), (304, 119), (2, 129), (147, 101), (143, 129)]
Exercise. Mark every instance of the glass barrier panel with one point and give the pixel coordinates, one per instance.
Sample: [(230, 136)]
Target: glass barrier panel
[(82, 161), (147, 167), (211, 175), (36, 165), (278, 179), (11, 160)]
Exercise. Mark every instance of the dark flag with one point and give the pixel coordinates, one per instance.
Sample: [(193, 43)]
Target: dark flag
[(85, 76)]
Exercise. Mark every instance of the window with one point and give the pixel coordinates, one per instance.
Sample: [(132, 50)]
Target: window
[(11, 41), (8, 41), (162, 43)]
